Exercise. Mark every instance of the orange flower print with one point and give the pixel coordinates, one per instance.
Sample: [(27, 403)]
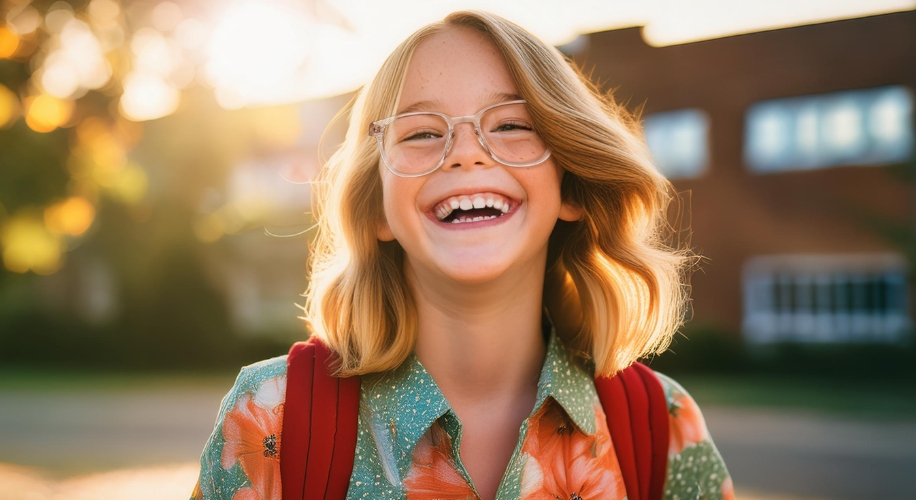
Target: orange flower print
[(433, 473), (727, 489), (252, 433), (685, 424), (197, 494), (563, 462), (247, 494)]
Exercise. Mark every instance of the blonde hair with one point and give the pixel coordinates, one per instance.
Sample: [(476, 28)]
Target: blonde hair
[(614, 288)]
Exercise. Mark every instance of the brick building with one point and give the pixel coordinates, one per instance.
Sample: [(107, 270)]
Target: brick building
[(794, 151)]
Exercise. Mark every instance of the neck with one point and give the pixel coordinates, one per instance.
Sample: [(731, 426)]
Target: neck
[(481, 342)]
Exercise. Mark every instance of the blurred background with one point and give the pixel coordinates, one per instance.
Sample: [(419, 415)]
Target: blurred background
[(154, 219)]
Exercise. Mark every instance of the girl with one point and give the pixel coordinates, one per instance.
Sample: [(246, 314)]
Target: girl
[(491, 238)]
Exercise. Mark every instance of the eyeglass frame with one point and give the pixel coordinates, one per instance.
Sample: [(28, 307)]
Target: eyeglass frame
[(378, 127)]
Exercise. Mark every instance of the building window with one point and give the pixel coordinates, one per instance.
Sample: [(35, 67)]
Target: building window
[(826, 298), (679, 142), (858, 127)]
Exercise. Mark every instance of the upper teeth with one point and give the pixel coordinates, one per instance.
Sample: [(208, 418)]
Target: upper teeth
[(467, 202)]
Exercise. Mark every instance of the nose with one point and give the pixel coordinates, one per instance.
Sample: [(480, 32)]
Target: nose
[(466, 148)]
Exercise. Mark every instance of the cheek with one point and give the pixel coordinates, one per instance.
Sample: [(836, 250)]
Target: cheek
[(544, 190), (398, 200)]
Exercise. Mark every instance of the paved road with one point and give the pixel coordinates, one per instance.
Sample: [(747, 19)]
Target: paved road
[(815, 456), (774, 454), (87, 431)]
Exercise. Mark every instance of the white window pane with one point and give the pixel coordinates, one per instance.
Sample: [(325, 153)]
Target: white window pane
[(826, 298), (843, 128), (890, 116), (768, 136), (679, 142), (890, 124), (806, 133), (857, 127)]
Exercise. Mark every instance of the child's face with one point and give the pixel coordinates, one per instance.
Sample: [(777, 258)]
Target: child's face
[(459, 72)]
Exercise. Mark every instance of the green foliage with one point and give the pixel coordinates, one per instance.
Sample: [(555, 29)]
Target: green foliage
[(35, 340), (32, 171), (171, 318), (13, 73)]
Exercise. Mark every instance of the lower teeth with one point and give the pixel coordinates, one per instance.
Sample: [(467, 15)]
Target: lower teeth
[(474, 219)]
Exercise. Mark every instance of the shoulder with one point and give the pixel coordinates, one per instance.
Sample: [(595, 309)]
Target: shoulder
[(252, 376), (687, 425), (674, 392), (256, 380), (257, 372), (694, 463), (251, 412)]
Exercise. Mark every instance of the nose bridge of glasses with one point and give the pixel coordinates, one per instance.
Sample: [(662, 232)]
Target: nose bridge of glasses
[(457, 120), (475, 130), (463, 119)]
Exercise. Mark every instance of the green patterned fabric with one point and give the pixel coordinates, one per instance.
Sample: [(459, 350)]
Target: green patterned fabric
[(220, 478), (399, 409)]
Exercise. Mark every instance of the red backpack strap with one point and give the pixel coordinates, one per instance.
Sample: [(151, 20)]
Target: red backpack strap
[(320, 416), (637, 416), (660, 428)]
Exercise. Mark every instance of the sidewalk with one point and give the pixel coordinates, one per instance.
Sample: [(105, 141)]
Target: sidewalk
[(144, 444), (170, 482), (810, 455)]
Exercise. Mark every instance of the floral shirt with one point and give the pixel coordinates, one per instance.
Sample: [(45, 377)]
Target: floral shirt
[(408, 441)]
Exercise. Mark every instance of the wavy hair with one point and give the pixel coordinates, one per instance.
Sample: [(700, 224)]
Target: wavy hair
[(614, 287)]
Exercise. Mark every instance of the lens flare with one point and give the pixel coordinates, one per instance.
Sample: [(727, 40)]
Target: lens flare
[(9, 42), (72, 216), (9, 106), (45, 113), (29, 245), (129, 185), (23, 19), (147, 97)]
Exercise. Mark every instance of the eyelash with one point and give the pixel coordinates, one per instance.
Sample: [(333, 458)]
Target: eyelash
[(417, 135), (517, 125)]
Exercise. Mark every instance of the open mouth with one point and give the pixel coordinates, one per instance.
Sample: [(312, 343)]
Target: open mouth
[(472, 208)]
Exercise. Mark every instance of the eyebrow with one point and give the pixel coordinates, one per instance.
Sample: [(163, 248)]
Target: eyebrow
[(421, 106), (429, 105)]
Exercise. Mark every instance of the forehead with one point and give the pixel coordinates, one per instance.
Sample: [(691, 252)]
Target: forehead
[(458, 69)]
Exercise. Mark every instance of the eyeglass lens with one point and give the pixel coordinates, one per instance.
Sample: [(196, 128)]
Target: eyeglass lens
[(416, 143)]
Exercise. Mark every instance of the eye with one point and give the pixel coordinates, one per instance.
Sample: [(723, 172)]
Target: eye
[(414, 128), (422, 134), (512, 126)]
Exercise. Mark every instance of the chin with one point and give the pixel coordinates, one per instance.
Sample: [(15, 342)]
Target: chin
[(473, 271)]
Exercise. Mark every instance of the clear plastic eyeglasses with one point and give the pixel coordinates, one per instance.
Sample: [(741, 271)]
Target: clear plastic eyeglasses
[(416, 144)]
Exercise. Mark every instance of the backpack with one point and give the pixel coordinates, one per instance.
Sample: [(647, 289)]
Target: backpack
[(321, 413)]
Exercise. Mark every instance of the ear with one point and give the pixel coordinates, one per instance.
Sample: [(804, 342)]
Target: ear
[(383, 230), (570, 211)]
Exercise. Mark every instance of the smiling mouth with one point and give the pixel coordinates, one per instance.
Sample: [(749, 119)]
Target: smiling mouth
[(472, 208)]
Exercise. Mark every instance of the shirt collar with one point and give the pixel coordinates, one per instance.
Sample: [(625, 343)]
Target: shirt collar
[(566, 381), (403, 404), (406, 401)]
